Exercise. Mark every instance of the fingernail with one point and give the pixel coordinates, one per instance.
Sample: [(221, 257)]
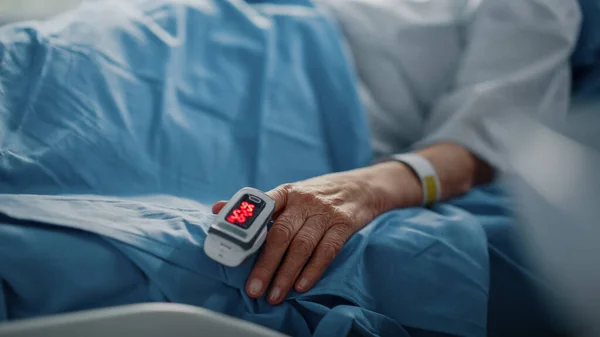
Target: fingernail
[(255, 286), (303, 284), (275, 294)]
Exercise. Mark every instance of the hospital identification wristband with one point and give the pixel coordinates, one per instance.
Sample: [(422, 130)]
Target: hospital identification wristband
[(430, 182)]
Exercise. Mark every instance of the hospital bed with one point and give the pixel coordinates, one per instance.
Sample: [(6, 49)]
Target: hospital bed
[(538, 212), (180, 320), (147, 320)]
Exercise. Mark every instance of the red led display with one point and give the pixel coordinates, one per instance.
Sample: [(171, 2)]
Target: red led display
[(242, 213), (245, 211)]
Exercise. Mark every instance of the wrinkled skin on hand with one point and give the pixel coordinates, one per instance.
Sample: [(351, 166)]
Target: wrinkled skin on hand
[(313, 220)]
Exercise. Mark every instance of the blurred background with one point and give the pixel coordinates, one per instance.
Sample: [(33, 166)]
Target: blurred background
[(554, 180)]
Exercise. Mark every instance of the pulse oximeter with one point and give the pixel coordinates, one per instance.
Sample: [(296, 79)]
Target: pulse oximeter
[(240, 228)]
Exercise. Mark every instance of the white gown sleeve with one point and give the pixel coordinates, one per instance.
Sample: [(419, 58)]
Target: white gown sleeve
[(516, 61)]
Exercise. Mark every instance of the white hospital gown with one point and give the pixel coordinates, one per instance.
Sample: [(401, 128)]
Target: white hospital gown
[(434, 70)]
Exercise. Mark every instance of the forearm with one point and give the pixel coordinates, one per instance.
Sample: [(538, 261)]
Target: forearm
[(457, 168)]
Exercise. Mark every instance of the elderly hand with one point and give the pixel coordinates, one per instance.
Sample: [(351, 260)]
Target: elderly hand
[(315, 217)]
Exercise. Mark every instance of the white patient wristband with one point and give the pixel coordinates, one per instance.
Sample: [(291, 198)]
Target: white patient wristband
[(430, 182)]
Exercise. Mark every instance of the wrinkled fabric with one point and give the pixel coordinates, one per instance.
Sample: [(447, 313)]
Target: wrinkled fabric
[(121, 121), (193, 100), (411, 268), (432, 71)]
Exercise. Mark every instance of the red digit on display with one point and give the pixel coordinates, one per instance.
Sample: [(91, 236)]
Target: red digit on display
[(235, 215)]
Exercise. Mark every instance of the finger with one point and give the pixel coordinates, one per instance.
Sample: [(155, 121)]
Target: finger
[(277, 242), (326, 251), (300, 250), (218, 206)]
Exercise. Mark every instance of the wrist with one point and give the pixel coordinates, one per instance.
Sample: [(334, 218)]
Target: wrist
[(458, 169), (397, 184)]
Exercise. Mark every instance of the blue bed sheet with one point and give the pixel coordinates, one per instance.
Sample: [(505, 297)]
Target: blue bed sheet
[(121, 121), (424, 269)]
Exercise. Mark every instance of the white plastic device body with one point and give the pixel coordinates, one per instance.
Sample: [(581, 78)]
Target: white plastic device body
[(229, 243)]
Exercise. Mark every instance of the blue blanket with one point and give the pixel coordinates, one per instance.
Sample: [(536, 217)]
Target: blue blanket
[(120, 122), (191, 100)]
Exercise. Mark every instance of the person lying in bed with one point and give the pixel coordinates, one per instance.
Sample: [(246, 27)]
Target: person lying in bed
[(430, 74), (198, 99)]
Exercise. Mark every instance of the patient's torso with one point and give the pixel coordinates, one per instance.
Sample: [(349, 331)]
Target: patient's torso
[(406, 53)]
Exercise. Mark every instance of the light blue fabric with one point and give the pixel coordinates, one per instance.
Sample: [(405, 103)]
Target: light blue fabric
[(188, 102), (191, 100), (409, 268)]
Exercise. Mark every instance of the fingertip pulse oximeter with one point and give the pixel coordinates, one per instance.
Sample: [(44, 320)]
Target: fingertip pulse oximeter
[(240, 228)]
